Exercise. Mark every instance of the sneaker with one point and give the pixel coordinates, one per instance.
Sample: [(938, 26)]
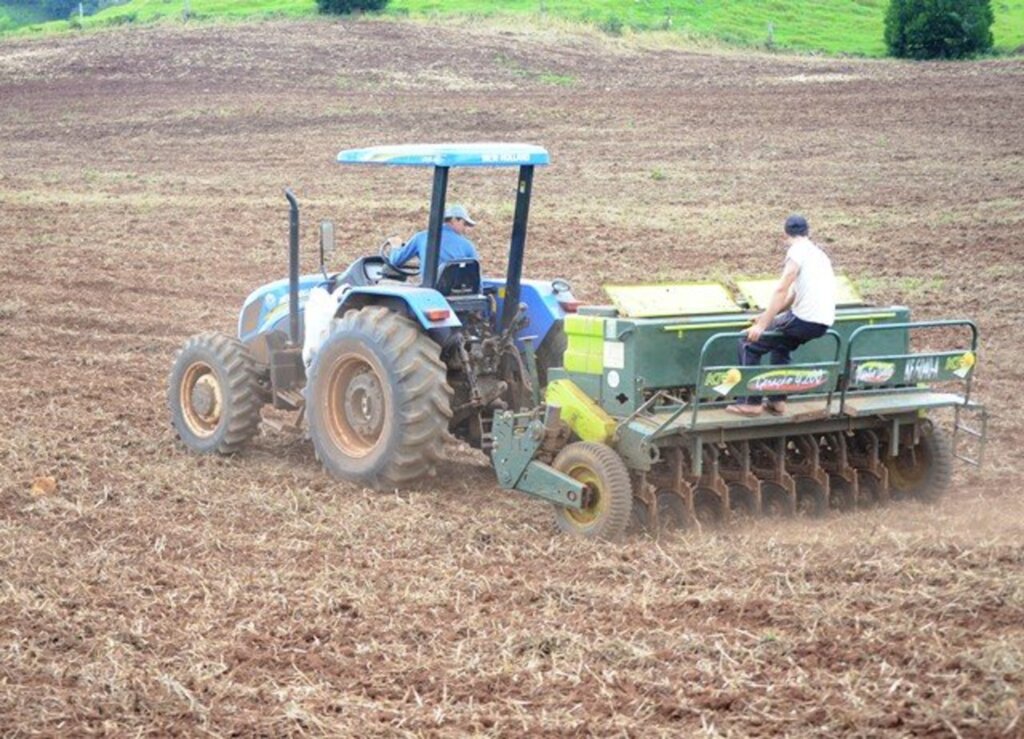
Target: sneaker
[(776, 408), (742, 409)]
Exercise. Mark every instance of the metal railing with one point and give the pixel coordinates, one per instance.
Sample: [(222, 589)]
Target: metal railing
[(841, 370), (832, 367), (848, 368)]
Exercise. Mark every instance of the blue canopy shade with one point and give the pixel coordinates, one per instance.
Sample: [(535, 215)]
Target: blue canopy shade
[(448, 155)]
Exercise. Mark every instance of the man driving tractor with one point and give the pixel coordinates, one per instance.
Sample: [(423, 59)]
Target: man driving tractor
[(454, 244)]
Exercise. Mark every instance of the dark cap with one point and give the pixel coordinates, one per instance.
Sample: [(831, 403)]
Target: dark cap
[(796, 225)]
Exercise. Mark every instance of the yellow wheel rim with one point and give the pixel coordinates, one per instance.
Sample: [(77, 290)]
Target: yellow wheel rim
[(599, 498), (202, 399)]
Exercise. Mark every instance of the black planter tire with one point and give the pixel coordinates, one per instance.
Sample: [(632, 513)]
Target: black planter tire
[(611, 505), (924, 472), (377, 400), (213, 394)]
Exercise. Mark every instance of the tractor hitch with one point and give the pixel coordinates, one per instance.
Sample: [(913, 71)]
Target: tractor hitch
[(519, 439)]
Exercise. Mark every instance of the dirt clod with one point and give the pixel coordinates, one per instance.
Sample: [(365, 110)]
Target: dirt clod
[(43, 486)]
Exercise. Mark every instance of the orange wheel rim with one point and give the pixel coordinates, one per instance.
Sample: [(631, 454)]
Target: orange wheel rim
[(202, 399), (356, 405)]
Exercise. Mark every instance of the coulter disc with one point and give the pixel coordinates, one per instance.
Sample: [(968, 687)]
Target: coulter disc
[(811, 497), (672, 514), (707, 507), (775, 500), (842, 494), (742, 502)]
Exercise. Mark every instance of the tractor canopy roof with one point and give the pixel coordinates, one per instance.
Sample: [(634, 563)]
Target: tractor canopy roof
[(448, 155)]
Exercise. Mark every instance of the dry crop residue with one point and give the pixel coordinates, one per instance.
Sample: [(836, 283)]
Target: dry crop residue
[(152, 590)]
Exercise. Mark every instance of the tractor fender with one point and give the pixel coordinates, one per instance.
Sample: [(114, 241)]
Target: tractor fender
[(542, 305), (265, 311), (414, 302)]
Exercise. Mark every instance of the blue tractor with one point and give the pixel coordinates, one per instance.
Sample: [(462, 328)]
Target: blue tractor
[(396, 363), (632, 420)]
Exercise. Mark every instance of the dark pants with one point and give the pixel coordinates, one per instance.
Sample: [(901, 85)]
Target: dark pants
[(785, 334)]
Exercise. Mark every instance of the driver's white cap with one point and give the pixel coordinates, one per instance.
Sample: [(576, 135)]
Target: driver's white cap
[(458, 211)]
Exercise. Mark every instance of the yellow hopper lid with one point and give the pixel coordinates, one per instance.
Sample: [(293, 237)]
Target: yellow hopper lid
[(677, 299), (758, 292)]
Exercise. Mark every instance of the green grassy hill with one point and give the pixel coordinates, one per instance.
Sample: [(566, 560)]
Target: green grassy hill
[(831, 26)]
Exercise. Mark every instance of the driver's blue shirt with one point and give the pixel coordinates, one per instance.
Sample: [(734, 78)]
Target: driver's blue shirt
[(453, 248)]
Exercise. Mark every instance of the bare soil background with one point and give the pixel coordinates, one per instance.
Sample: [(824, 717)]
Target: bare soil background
[(156, 592)]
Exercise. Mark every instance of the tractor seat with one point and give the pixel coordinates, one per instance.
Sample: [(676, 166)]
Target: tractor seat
[(460, 278), (459, 282)]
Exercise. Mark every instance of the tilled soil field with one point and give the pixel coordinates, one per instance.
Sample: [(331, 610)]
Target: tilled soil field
[(150, 591)]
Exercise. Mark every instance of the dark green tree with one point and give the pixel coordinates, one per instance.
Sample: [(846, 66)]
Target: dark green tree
[(938, 29), (59, 8), (344, 7)]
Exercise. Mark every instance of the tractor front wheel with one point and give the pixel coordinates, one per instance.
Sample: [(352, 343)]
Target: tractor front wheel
[(608, 499), (377, 401), (213, 394)]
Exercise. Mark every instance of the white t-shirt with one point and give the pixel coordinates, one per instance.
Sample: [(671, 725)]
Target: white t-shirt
[(815, 284)]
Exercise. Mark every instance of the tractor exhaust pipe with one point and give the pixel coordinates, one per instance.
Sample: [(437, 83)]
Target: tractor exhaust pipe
[(293, 267)]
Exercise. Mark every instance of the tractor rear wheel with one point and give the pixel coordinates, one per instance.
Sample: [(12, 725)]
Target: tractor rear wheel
[(377, 401), (924, 471), (213, 394), (609, 495)]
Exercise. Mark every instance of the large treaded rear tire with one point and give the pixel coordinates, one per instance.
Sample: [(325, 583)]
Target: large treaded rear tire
[(611, 507), (924, 472), (213, 394), (377, 400)]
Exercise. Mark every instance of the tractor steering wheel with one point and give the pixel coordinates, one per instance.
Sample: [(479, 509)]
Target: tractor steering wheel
[(385, 253)]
